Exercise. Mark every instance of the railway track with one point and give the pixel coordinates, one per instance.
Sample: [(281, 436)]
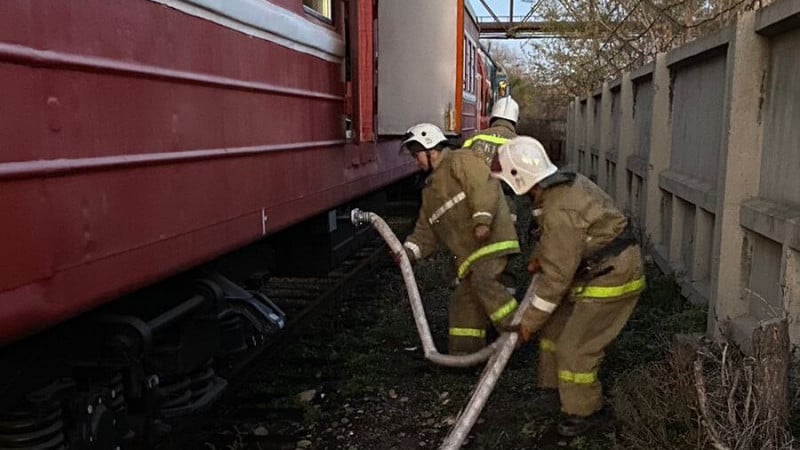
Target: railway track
[(303, 300)]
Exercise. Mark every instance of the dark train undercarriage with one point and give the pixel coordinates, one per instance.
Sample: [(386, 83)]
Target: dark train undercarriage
[(125, 376)]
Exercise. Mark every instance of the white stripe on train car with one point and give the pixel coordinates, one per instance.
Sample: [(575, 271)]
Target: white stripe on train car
[(263, 20)]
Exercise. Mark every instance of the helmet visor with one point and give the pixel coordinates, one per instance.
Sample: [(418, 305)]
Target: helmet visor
[(412, 147)]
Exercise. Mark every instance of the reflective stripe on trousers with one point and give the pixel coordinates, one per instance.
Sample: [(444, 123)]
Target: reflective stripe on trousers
[(487, 250), (468, 332), (629, 288), (546, 345), (577, 377)]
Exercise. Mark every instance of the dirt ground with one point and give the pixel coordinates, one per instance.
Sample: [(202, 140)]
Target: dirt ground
[(357, 378)]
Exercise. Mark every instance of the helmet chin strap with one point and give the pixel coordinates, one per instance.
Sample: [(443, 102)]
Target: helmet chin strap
[(430, 163)]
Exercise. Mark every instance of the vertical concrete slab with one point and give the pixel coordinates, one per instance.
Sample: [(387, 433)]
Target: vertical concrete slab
[(763, 291), (790, 282), (780, 160), (625, 144), (577, 141), (605, 136), (739, 171), (588, 139), (569, 157), (660, 146), (702, 251), (680, 235)]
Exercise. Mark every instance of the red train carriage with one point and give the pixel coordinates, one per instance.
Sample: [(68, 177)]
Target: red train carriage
[(143, 138)]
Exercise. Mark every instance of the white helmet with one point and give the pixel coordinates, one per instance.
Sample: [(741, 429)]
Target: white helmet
[(426, 134), (522, 163), (505, 108)]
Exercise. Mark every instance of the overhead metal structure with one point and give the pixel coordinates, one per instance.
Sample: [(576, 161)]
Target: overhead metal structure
[(532, 26), (525, 26), (517, 28), (509, 26)]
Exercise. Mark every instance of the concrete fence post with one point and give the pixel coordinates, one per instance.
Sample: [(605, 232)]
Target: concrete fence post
[(569, 147), (739, 171), (589, 137), (606, 127), (625, 144), (659, 158), (577, 126)]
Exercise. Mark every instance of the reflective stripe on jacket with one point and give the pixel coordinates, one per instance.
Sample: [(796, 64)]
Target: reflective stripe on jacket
[(577, 220), (486, 142)]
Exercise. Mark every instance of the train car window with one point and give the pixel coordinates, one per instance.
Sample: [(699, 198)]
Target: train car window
[(470, 67), (320, 8), (464, 65)]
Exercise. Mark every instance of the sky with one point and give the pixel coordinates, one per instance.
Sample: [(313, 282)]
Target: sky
[(500, 8)]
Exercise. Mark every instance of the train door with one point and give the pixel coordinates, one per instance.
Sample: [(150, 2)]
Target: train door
[(361, 67)]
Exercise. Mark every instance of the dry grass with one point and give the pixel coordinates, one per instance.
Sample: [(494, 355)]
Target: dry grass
[(700, 396)]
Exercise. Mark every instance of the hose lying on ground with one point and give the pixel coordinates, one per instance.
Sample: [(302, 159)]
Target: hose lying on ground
[(498, 352)]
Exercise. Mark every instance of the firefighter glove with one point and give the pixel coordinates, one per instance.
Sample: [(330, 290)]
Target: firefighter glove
[(482, 232), (524, 333), (397, 257), (524, 336), (534, 319)]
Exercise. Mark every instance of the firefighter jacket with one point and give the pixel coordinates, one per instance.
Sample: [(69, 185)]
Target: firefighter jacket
[(487, 141), (578, 222), (458, 196)]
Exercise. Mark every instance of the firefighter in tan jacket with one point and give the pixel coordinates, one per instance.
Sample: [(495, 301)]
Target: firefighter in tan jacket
[(590, 275), (502, 128), (463, 209)]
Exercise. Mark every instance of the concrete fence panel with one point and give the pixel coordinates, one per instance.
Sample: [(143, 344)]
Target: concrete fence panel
[(702, 148)]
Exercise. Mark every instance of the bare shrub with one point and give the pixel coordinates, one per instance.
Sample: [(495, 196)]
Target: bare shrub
[(701, 395)]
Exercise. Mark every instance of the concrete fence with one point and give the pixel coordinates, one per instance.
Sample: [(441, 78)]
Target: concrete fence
[(702, 148)]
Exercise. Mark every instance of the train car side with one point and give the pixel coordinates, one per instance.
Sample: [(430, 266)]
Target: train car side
[(144, 141), (141, 140)]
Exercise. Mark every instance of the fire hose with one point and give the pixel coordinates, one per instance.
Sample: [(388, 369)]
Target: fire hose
[(498, 352)]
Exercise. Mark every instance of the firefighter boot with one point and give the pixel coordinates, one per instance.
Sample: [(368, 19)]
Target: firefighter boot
[(572, 426)]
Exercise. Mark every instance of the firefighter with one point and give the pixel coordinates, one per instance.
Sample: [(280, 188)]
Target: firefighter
[(502, 127), (463, 209), (590, 275)]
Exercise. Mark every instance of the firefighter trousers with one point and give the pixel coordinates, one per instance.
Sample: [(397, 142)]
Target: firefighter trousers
[(572, 344), (477, 297)]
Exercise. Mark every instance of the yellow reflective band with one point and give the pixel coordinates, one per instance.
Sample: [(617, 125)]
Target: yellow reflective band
[(485, 251), (577, 377), (546, 345), (485, 138), (632, 287), (504, 311), (468, 332)]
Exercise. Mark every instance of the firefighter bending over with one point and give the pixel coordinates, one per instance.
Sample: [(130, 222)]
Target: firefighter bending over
[(463, 208), (590, 277)]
